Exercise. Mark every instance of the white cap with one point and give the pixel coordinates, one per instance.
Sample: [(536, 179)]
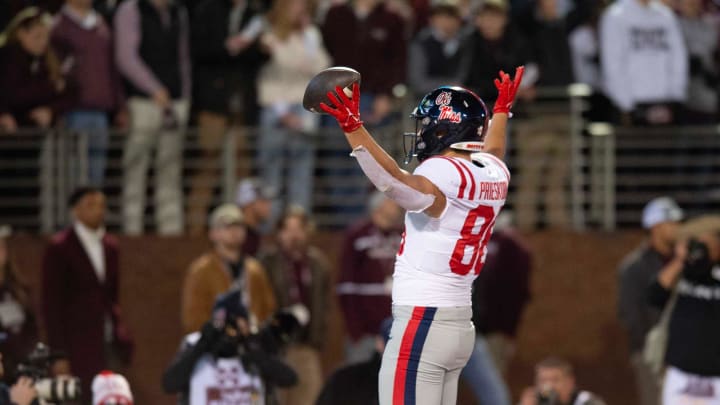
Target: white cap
[(252, 189), (659, 210), (110, 388), (224, 215)]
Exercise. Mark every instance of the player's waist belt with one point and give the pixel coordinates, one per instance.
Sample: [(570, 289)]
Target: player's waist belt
[(437, 313)]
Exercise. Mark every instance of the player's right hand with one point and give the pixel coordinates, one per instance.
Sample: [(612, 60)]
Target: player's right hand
[(507, 89), (346, 111)]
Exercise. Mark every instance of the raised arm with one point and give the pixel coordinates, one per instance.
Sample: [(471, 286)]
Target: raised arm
[(413, 193), (495, 140)]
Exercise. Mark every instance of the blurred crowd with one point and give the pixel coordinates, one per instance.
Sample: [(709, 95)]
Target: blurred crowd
[(153, 67)]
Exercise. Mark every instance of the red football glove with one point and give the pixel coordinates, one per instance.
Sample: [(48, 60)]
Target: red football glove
[(346, 111), (507, 89)]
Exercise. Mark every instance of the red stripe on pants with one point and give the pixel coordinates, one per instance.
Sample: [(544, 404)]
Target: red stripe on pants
[(404, 355)]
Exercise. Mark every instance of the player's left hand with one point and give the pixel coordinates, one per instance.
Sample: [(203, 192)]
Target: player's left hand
[(507, 89), (346, 111)]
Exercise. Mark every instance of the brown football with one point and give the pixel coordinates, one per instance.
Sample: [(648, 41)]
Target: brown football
[(325, 81)]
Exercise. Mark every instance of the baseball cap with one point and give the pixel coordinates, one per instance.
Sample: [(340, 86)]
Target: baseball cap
[(253, 189), (229, 305), (659, 210), (226, 214), (447, 7), (500, 5), (109, 388)]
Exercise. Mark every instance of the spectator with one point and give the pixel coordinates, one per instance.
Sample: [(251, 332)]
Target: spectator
[(585, 54), (17, 322), (225, 268), (254, 199), (357, 384), (223, 363), (693, 333), (495, 45), (80, 296), (435, 54), (545, 139), (21, 393), (644, 61), (360, 33), (299, 274), (31, 78), (226, 59), (152, 52), (109, 388), (296, 55), (500, 294), (701, 33), (547, 27), (84, 41), (367, 261), (555, 385), (661, 217)]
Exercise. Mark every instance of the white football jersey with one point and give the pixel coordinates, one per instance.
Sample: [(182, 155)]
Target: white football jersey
[(440, 257)]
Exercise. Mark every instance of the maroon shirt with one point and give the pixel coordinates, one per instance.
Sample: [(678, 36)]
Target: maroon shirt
[(502, 290), (88, 52), (25, 84), (366, 265), (365, 44)]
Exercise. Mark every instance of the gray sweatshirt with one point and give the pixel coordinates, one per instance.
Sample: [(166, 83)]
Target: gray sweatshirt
[(643, 54)]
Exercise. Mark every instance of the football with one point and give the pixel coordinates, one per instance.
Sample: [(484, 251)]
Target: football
[(325, 81)]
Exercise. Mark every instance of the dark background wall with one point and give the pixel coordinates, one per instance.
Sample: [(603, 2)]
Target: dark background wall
[(572, 313)]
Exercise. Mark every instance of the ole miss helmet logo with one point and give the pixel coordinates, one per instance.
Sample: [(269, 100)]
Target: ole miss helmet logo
[(443, 98), (448, 114)]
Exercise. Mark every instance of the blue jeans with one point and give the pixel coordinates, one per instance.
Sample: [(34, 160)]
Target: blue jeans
[(95, 125), (287, 160), (482, 376)]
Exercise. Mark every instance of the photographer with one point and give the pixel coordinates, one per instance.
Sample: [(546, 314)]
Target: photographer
[(555, 385), (21, 393), (692, 355), (225, 361)]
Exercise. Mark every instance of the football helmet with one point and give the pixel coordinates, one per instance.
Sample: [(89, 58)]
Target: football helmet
[(447, 117)]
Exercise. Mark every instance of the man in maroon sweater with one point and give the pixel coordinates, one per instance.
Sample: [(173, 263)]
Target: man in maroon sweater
[(84, 42), (366, 267)]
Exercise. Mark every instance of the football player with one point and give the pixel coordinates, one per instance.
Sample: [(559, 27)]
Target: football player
[(452, 199)]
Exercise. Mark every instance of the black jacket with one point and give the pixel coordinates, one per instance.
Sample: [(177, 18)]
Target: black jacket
[(217, 74), (550, 49), (353, 385), (487, 58), (694, 331)]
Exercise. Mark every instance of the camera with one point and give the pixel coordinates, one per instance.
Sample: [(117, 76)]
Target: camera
[(547, 396), (272, 336), (50, 390), (698, 264)]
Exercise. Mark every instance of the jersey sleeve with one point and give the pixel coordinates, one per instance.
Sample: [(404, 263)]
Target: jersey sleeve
[(444, 173)]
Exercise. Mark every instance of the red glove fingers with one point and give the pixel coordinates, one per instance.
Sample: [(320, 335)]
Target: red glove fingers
[(507, 89), (346, 111)]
